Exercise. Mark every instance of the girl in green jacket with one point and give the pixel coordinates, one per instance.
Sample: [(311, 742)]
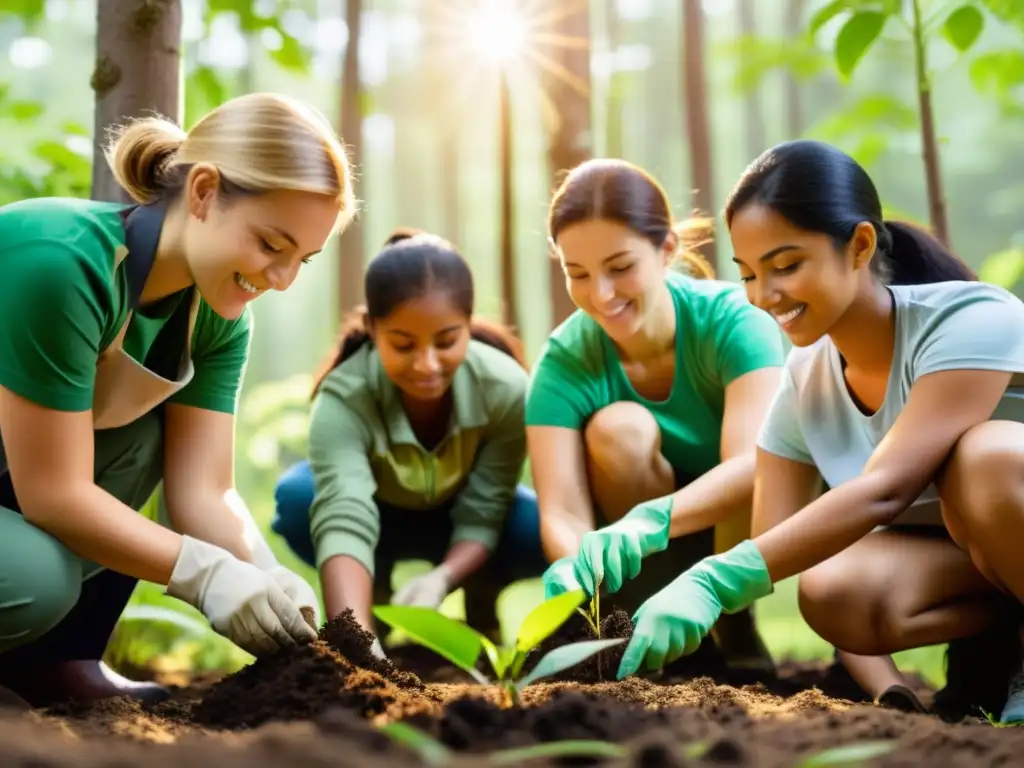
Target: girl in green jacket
[(416, 445)]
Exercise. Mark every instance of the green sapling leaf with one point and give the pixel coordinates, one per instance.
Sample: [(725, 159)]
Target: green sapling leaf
[(564, 657), (546, 618), (431, 751), (457, 642)]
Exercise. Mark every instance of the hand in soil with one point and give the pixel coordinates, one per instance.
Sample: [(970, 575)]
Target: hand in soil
[(613, 554), (426, 591), (298, 589), (242, 602), (676, 619)]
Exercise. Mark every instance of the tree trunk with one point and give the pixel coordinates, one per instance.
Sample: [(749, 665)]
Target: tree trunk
[(929, 143), (138, 72), (613, 104), (794, 97), (756, 135), (570, 138), (351, 247), (695, 100)]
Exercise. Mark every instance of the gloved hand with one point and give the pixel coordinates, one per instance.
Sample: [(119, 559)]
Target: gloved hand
[(242, 602), (427, 591), (299, 590), (559, 578), (673, 622), (611, 555)]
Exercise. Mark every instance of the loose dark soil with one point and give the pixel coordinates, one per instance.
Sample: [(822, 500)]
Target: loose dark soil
[(318, 705)]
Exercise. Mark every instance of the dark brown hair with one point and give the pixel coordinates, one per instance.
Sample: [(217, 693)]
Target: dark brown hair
[(616, 190), (414, 263), (819, 188)]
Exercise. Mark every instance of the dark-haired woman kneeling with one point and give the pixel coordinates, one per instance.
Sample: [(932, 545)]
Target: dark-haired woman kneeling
[(899, 395), (416, 446)]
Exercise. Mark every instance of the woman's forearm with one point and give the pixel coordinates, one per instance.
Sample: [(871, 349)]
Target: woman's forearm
[(347, 584), (828, 525), (220, 518), (722, 492), (464, 559), (561, 533), (96, 526)]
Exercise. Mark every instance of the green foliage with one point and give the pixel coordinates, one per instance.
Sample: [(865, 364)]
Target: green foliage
[(290, 53), (963, 27), (1007, 11), (857, 35), (1000, 75), (838, 7), (1005, 268), (29, 11), (758, 57), (848, 754), (867, 126), (461, 644), (52, 167)]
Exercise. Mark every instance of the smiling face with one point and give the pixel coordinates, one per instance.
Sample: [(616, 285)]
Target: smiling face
[(239, 248), (613, 274), (421, 344), (800, 277)]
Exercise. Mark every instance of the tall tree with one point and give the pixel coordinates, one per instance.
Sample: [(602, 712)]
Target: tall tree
[(756, 134), (138, 72), (567, 88), (695, 100), (795, 10), (351, 243)]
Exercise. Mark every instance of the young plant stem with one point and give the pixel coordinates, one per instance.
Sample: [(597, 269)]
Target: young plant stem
[(929, 143)]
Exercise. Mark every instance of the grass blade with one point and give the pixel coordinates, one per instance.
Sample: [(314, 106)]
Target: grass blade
[(848, 754), (564, 657), (568, 748), (546, 618), (457, 642), (427, 747)]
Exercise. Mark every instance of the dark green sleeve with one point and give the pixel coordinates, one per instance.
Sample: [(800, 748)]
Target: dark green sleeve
[(56, 307), (220, 350)]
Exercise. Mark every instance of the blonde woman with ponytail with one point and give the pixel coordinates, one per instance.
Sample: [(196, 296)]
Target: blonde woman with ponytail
[(122, 350), (644, 406)]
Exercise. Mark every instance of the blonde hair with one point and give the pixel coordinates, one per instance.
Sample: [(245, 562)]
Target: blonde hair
[(259, 142)]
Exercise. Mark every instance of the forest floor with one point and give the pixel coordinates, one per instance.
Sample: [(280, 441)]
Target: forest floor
[(322, 705)]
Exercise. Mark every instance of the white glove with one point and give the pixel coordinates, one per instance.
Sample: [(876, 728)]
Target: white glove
[(298, 589), (377, 649), (427, 591), (241, 602)]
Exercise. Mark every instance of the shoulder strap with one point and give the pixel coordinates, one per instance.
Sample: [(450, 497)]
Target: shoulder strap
[(142, 226)]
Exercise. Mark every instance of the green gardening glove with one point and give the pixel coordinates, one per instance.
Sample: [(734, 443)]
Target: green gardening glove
[(611, 555), (674, 621), (558, 578)]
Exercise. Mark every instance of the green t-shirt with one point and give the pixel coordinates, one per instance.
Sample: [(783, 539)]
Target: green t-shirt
[(63, 302), (720, 336)]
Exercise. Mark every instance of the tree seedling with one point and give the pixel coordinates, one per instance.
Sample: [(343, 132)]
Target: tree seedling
[(461, 644)]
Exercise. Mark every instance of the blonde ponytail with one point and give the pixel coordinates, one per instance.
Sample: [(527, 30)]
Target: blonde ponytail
[(140, 153), (692, 233)]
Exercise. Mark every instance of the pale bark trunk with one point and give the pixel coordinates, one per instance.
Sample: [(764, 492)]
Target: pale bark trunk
[(138, 73)]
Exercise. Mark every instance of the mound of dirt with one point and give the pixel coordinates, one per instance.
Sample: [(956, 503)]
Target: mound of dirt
[(303, 682), (601, 666)]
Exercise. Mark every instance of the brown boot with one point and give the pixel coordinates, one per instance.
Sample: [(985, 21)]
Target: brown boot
[(85, 681)]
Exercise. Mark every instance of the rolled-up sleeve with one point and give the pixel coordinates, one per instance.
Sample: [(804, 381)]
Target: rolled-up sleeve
[(343, 519)]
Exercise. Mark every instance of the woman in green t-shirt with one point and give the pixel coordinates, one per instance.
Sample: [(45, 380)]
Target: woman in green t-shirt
[(123, 342), (644, 406)]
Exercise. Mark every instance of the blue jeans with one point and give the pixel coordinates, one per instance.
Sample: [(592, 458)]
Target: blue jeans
[(422, 535)]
